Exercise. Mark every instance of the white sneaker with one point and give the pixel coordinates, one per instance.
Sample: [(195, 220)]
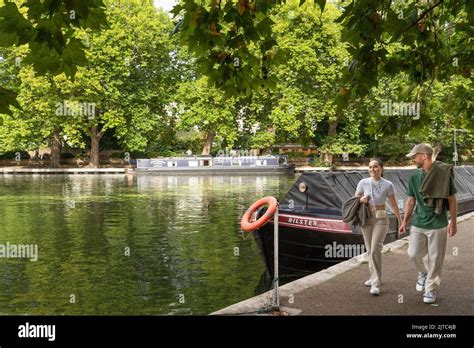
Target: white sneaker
[(429, 297), (368, 283), (420, 283), (374, 290)]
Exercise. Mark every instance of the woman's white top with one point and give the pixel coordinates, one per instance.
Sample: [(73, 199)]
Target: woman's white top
[(377, 190)]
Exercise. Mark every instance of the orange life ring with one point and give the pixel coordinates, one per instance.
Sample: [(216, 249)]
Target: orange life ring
[(248, 226)]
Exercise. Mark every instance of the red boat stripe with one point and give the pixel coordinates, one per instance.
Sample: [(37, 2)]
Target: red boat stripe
[(317, 224)]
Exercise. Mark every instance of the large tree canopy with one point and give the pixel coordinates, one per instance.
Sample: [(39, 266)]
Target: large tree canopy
[(404, 48), (48, 28), (434, 37), (426, 39), (241, 72), (125, 86)]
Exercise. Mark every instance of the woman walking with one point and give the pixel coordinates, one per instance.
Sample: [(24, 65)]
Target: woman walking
[(373, 192)]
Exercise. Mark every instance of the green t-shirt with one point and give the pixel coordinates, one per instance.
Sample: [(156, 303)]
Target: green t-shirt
[(425, 217)]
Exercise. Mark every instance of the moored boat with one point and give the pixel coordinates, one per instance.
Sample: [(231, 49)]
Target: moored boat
[(218, 165), (312, 235)]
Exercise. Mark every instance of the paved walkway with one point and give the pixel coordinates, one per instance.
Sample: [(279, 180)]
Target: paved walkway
[(340, 289)]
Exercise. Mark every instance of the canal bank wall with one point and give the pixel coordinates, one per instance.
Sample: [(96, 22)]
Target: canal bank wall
[(75, 170), (340, 290)]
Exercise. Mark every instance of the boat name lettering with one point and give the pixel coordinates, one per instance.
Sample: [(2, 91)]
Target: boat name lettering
[(304, 222)]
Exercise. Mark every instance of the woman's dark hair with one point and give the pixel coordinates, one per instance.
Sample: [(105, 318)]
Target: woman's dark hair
[(380, 162)]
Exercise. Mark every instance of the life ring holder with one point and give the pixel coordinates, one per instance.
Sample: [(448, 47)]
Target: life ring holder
[(249, 226)]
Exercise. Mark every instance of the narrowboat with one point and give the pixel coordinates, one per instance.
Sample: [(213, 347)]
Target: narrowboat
[(311, 230), (217, 165)]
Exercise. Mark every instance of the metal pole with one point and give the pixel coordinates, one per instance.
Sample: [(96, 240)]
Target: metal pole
[(455, 150), (276, 297)]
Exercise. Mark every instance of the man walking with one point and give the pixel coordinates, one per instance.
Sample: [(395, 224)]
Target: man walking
[(432, 189)]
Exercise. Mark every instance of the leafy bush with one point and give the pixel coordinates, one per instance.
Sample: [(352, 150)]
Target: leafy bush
[(390, 148)]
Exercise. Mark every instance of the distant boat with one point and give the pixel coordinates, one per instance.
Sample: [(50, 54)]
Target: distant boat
[(217, 165), (310, 219)]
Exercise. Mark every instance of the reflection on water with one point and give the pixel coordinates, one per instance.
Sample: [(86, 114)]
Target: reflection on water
[(112, 245)]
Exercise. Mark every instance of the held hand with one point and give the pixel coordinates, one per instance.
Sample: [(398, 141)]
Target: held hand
[(403, 228), (364, 199), (400, 219), (452, 229)]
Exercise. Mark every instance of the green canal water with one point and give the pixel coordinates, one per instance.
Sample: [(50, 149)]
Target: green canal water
[(118, 245)]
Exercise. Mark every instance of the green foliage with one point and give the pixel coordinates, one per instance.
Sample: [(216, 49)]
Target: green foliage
[(128, 80), (205, 109), (128, 76), (309, 78), (232, 41), (248, 74), (48, 28), (391, 147), (427, 41)]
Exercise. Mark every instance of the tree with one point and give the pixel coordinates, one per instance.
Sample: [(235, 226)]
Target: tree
[(303, 108), (34, 122), (125, 86), (400, 52), (427, 40), (206, 110), (129, 76)]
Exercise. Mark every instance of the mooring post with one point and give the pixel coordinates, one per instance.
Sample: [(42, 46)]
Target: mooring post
[(276, 296)]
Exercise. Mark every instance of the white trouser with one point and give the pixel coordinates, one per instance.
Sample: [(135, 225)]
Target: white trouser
[(430, 243), (374, 234)]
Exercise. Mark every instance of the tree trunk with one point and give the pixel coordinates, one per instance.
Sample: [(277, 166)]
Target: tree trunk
[(327, 156), (56, 147), (94, 161), (436, 150), (209, 138)]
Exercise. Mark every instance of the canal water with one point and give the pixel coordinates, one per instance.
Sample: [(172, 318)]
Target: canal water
[(123, 245)]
